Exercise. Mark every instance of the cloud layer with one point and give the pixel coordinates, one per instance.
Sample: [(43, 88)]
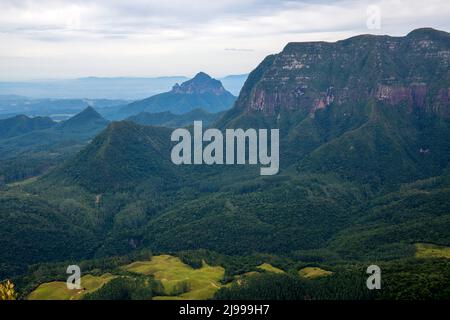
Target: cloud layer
[(62, 38)]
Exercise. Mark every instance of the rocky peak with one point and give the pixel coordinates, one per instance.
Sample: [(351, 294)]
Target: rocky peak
[(201, 83)]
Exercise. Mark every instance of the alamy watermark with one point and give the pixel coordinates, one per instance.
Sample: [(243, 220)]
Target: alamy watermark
[(374, 280), (373, 21), (74, 280), (241, 147)]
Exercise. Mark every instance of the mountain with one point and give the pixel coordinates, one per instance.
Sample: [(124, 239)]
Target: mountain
[(364, 154), (202, 91), (34, 152), (372, 108), (77, 129), (168, 119), (311, 76), (120, 157), (22, 124), (85, 121)]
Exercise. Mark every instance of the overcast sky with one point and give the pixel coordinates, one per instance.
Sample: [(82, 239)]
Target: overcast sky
[(77, 38)]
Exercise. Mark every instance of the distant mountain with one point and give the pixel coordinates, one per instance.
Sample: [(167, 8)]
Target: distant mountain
[(202, 91), (85, 121), (234, 83), (168, 119), (57, 109), (22, 124), (35, 151), (115, 88), (72, 132)]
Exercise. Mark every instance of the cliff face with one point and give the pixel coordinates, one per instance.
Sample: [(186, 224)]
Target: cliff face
[(411, 70), (374, 108)]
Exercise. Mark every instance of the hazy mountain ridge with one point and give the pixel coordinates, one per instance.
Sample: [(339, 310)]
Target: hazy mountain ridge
[(58, 109), (120, 88), (114, 88)]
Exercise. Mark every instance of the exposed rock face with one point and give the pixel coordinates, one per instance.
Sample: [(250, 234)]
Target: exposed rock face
[(201, 83), (413, 95), (411, 70)]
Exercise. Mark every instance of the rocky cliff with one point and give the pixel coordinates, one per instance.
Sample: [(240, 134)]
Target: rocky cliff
[(411, 70)]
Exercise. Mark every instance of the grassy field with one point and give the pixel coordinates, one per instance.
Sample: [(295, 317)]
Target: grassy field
[(270, 268), (425, 250), (313, 272), (180, 281), (57, 290), (173, 273)]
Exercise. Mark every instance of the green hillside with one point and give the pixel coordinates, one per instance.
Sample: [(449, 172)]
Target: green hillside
[(40, 148), (170, 120), (22, 124)]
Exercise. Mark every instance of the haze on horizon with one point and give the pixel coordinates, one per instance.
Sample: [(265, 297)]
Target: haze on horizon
[(52, 39)]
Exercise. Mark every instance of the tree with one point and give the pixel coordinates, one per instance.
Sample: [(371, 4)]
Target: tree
[(7, 291)]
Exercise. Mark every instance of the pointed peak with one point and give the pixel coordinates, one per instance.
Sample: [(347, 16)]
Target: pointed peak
[(90, 112), (202, 76), (201, 83), (89, 108), (87, 116)]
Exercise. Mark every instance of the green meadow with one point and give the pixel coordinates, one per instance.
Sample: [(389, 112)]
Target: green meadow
[(269, 268), (57, 290), (313, 272), (180, 281), (177, 277), (426, 250)]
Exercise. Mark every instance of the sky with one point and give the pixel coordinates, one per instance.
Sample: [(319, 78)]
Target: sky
[(54, 39)]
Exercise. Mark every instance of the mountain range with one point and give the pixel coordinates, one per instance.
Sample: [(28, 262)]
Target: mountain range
[(94, 88), (30, 146), (364, 166)]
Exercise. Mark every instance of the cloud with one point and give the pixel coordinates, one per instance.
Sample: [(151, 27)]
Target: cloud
[(239, 49), (147, 37)]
